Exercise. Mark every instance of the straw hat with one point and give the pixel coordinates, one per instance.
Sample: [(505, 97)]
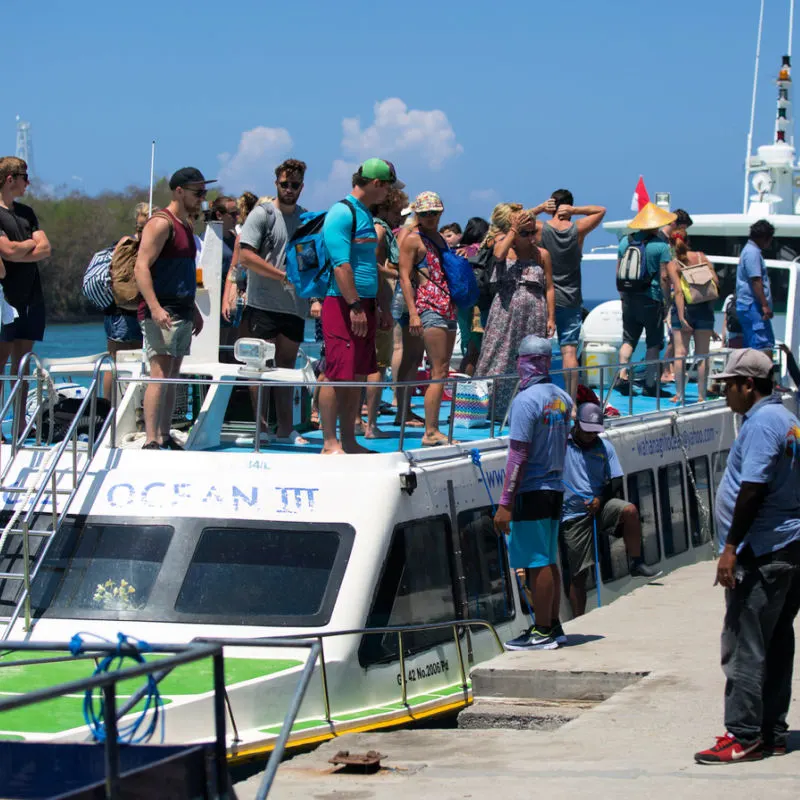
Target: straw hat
[(651, 217)]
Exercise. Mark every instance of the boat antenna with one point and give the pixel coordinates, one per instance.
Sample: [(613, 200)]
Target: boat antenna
[(152, 168), (753, 107), (791, 27)]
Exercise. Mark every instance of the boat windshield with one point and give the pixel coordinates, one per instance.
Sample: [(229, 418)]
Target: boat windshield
[(194, 571)]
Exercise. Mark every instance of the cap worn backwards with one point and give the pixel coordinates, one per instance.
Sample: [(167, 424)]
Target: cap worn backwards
[(533, 345)]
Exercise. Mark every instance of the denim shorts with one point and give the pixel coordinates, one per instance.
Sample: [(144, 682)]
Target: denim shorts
[(122, 326), (700, 317), (569, 322), (433, 319)]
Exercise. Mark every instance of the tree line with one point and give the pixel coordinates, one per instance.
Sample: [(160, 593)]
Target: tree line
[(78, 225)]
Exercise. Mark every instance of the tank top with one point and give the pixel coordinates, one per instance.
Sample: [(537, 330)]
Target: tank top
[(565, 255), (434, 295), (174, 272)]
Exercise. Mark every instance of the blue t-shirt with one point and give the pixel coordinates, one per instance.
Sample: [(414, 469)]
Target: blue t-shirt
[(587, 471), (359, 253), (767, 450), (751, 265), (656, 253), (540, 415)]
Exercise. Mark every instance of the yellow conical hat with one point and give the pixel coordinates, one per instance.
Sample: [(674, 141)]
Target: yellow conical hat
[(651, 217)]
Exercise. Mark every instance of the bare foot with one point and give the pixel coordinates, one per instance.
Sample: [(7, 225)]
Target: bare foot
[(412, 421), (376, 433), (435, 440), (356, 449), (332, 451)]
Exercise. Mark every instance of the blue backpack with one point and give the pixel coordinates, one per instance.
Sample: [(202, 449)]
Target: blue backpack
[(461, 282), (308, 266), (97, 279), (632, 274)]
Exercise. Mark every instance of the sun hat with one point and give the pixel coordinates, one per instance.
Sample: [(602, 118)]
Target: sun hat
[(651, 217), (378, 169), (187, 175), (428, 201), (590, 418), (747, 363), (533, 345)]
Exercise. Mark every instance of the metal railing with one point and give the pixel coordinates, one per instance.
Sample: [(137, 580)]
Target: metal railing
[(47, 483), (107, 682)]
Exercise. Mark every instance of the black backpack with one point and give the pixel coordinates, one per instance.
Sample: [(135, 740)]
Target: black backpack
[(483, 265), (732, 318)]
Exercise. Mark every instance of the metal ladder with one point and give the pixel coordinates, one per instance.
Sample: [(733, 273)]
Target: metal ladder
[(41, 498)]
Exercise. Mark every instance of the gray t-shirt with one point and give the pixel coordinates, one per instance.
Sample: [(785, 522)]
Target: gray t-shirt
[(565, 255), (267, 230)]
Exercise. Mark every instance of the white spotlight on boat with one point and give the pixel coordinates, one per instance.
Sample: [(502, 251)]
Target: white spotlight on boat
[(254, 354)]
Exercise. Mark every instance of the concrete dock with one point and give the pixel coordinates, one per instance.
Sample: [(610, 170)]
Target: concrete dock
[(617, 713)]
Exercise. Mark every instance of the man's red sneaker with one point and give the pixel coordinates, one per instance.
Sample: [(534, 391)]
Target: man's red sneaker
[(729, 750)]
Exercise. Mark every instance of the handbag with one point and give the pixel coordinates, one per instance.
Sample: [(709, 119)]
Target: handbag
[(698, 284), (471, 404)]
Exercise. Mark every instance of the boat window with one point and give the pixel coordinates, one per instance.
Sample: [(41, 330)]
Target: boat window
[(718, 463), (488, 583), (416, 587), (700, 519), (251, 574), (103, 568), (642, 493), (673, 509)]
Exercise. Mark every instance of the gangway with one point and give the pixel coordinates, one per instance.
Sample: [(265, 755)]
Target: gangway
[(39, 478)]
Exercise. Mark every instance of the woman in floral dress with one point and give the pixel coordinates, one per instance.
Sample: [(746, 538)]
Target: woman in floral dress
[(525, 301)]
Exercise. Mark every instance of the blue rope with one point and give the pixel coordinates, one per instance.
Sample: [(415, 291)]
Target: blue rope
[(475, 455), (94, 716), (597, 580)]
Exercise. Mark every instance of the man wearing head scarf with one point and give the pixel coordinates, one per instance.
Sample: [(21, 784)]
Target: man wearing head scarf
[(530, 506)]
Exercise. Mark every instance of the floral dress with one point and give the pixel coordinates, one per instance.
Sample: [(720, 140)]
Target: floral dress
[(519, 309), (434, 295)]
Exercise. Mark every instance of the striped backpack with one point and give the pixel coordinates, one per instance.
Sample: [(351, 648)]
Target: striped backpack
[(97, 279)]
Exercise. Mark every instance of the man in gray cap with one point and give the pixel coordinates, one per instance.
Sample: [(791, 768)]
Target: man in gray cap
[(758, 524), (592, 492), (530, 506)]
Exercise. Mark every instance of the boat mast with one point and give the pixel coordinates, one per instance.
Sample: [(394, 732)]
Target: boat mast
[(753, 108), (152, 169)]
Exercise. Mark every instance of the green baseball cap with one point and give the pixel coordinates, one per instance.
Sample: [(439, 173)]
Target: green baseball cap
[(378, 169)]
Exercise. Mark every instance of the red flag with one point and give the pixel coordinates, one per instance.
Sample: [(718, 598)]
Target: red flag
[(640, 196)]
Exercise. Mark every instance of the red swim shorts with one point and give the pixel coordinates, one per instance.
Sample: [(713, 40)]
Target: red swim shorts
[(347, 356)]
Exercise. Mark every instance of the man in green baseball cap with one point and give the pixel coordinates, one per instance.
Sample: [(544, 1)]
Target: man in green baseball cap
[(378, 169)]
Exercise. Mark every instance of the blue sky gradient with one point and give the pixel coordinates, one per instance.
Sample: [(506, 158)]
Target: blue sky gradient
[(528, 97)]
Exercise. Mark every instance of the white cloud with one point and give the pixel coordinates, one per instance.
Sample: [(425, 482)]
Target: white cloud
[(321, 194), (427, 135), (252, 166), (487, 197)]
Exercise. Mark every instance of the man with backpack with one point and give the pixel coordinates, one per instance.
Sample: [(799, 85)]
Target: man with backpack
[(753, 292), (23, 244), (349, 311), (274, 312), (166, 277), (643, 284)]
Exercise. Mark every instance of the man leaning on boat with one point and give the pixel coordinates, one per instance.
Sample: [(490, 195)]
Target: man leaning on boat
[(758, 522)]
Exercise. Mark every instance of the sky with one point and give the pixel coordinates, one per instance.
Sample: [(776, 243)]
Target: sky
[(481, 102)]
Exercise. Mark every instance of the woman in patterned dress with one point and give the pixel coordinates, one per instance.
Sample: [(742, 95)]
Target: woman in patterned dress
[(432, 313), (525, 301)]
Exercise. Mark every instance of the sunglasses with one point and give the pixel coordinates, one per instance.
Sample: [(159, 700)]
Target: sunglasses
[(525, 234), (23, 175), (425, 214), (290, 184), (234, 214), (199, 192)]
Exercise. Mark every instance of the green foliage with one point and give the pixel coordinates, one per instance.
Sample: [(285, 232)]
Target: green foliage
[(77, 226)]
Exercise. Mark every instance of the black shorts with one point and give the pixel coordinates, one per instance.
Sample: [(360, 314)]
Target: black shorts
[(642, 313), (29, 324), (270, 324)]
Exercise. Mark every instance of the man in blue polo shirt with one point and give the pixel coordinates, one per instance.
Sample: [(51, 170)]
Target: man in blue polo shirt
[(758, 523), (350, 312), (753, 293), (532, 493), (592, 491)]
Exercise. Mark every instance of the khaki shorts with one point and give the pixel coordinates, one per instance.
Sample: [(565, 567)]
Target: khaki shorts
[(175, 342), (384, 346), (578, 534)]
